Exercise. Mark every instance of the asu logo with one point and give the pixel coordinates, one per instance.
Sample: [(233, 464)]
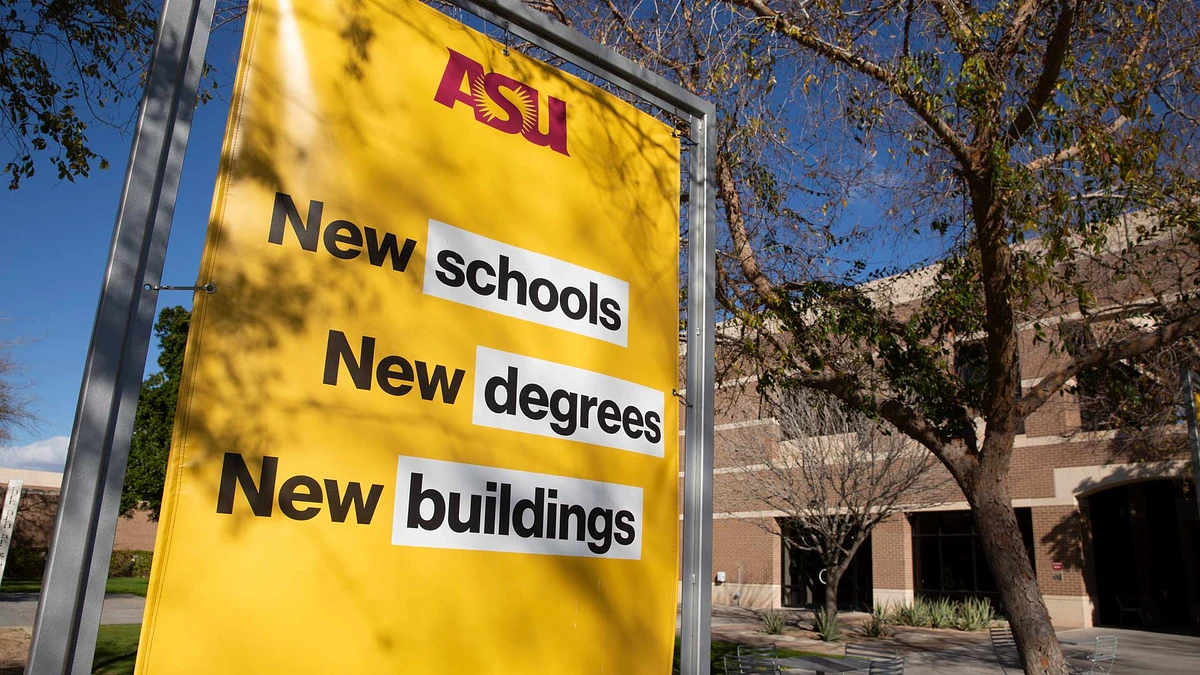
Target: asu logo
[(503, 103)]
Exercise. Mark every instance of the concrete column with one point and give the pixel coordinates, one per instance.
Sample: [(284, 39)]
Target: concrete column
[(892, 561), (1058, 538)]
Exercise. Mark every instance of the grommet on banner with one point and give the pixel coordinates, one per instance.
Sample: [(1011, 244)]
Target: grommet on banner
[(507, 37), (683, 136), (681, 397), (207, 288)]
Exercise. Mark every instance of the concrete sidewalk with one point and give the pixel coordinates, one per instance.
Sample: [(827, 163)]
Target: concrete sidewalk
[(1138, 653), (18, 609)]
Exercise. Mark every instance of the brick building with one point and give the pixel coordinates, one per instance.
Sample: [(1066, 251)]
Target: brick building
[(38, 505), (1114, 535)]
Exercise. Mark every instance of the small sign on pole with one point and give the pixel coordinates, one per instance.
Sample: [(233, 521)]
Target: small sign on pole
[(8, 520)]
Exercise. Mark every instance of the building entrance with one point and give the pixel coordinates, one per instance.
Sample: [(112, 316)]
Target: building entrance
[(804, 578), (1145, 545)]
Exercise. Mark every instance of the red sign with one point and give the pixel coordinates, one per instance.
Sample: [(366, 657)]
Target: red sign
[(1057, 566)]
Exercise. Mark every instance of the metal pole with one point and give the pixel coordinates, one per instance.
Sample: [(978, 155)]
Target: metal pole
[(696, 612), (1189, 408), (68, 617), (571, 45)]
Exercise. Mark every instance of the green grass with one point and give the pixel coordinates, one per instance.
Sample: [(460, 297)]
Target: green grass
[(116, 649), (133, 586), (130, 585), (721, 649), (21, 586)]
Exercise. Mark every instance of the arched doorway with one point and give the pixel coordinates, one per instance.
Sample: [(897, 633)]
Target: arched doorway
[(1145, 550)]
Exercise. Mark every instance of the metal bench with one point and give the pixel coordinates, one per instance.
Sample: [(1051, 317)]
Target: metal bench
[(870, 652), (769, 651), (748, 665), (1005, 647), (888, 667)]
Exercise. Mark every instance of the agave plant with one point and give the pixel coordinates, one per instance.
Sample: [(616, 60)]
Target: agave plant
[(975, 614), (774, 622), (878, 625), (826, 626)]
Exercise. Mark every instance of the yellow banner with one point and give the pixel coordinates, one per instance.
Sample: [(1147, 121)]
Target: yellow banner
[(426, 422)]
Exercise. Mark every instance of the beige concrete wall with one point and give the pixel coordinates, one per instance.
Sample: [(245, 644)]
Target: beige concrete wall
[(1070, 611), (754, 596)]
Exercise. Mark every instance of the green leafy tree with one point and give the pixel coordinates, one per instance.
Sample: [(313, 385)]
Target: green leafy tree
[(65, 64), (155, 416), (68, 65), (1033, 164)]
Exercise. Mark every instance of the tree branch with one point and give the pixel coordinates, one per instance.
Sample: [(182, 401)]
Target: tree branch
[(908, 18), (636, 38), (783, 25), (1067, 154), (743, 251), (1111, 353), (1006, 46), (894, 411), (1072, 152), (956, 22), (1056, 53)]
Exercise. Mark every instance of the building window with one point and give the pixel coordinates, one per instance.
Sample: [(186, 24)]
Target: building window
[(1111, 396), (948, 560), (970, 364)]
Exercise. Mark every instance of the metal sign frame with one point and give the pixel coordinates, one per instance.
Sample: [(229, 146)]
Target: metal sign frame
[(68, 616)]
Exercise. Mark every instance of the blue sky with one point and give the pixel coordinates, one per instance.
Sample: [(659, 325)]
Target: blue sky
[(56, 240)]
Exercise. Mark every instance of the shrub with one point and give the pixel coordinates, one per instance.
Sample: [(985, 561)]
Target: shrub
[(878, 625), (915, 613), (826, 626), (25, 563), (975, 614), (943, 613), (774, 622), (30, 563), (970, 614), (130, 563)]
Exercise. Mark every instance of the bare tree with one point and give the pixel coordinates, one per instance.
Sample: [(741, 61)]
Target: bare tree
[(16, 410), (834, 473)]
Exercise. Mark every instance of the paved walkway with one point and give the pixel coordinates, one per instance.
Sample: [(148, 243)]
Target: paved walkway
[(18, 609), (1138, 653), (937, 652), (926, 652)]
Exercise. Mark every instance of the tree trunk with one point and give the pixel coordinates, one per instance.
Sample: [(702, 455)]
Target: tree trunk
[(833, 577), (1002, 543)]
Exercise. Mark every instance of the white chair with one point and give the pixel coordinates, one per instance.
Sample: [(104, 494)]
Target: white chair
[(1102, 657)]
